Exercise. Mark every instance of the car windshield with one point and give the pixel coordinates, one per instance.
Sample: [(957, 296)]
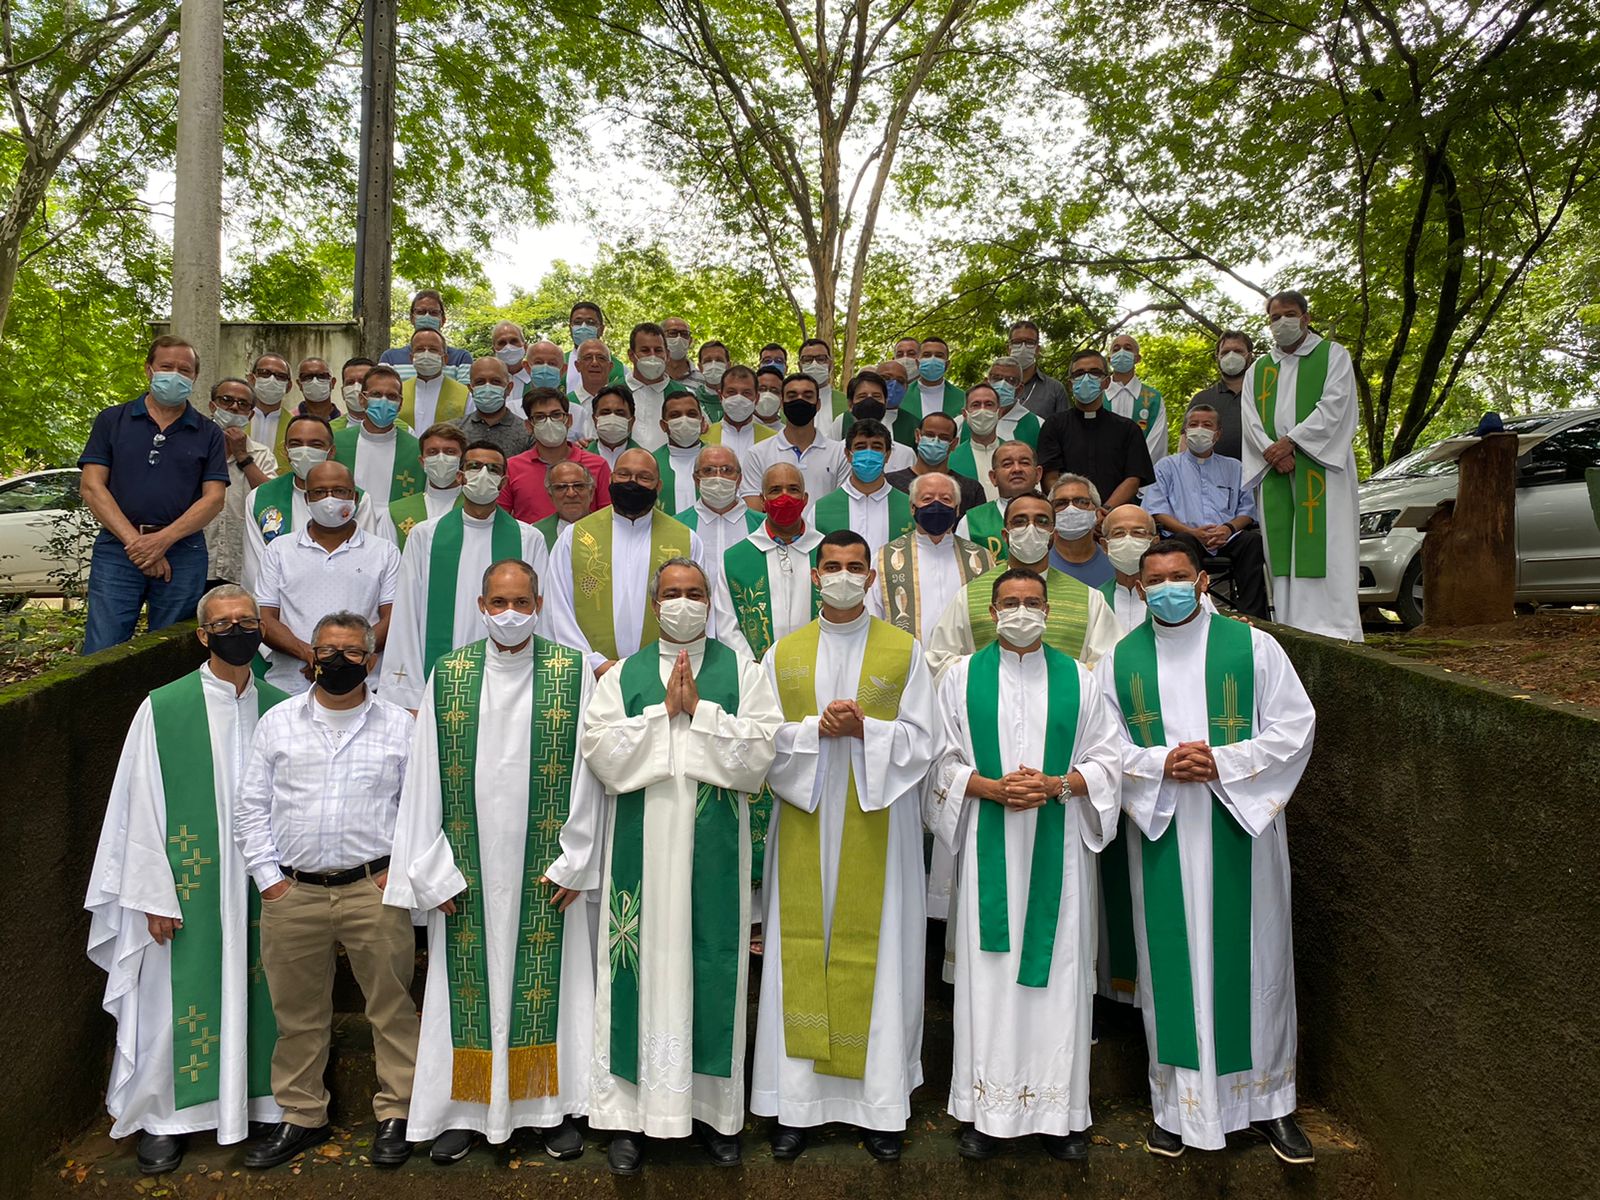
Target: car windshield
[(1412, 466)]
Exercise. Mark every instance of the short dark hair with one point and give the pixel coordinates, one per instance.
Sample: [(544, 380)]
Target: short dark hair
[(1171, 546), (1194, 408), (1088, 352), (774, 346), (936, 338), (169, 341), (357, 361), (1236, 335), (770, 369), (844, 539), (867, 377), (610, 389), (1006, 515), (1290, 296), (700, 354), (940, 414), (1024, 323), (227, 379), (294, 420), (737, 371), (800, 377), (545, 393), (645, 327), (382, 371), (598, 311), (668, 397), (484, 444), (426, 294), (868, 428), (814, 341), (1018, 573)]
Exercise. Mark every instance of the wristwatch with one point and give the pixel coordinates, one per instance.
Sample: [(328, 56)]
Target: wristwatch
[(1065, 793)]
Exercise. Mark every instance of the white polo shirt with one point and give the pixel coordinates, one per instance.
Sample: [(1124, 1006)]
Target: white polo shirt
[(822, 463)]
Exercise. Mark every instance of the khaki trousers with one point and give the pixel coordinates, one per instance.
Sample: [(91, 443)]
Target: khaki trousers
[(300, 933)]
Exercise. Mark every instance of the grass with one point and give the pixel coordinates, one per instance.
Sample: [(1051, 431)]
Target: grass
[(36, 637)]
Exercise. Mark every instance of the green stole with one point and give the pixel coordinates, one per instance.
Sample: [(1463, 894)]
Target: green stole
[(1297, 543), (667, 497), (833, 512), (194, 843), (716, 936), (984, 524), (906, 417), (828, 982), (1026, 430), (954, 400), (744, 566), (594, 447), (536, 973), (592, 573), (1148, 408), (444, 569), (713, 436), (548, 530), (963, 462), (405, 477), (407, 513), (691, 517), (902, 585), (274, 507), (710, 404), (1065, 627), (1230, 708), (1050, 832)]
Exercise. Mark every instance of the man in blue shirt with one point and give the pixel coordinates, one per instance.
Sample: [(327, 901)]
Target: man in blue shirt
[(1199, 497), (1074, 550), (155, 471), (427, 312)]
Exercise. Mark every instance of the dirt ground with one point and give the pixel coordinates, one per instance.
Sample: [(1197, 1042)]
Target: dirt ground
[(1555, 651)]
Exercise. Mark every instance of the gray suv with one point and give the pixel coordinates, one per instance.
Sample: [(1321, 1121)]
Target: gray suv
[(1558, 542)]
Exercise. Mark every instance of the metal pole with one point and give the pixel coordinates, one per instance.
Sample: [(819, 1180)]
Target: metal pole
[(375, 186), (197, 212)]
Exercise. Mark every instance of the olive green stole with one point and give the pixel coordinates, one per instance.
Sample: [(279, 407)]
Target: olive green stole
[(828, 981), (452, 406), (1230, 708), (536, 971), (1297, 542), (194, 852), (902, 583), (592, 540), (713, 436), (1064, 629), (716, 934)]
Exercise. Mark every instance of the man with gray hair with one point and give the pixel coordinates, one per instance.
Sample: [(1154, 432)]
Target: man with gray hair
[(570, 486), (1074, 551), (314, 818), (172, 910)]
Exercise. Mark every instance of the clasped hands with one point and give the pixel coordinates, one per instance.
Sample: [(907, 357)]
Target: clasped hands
[(1191, 762), (1022, 789), (1280, 456), (842, 718), (682, 695), (148, 552)]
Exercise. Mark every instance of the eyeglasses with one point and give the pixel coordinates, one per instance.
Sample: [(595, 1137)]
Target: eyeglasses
[(328, 654), (574, 488), (156, 443), (263, 373), (338, 493), (1042, 521), (1094, 372), (1075, 502), (723, 472), (317, 375), (242, 625)]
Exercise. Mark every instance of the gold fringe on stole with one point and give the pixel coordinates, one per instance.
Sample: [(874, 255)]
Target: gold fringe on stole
[(533, 1072), (470, 1074), (1122, 985)]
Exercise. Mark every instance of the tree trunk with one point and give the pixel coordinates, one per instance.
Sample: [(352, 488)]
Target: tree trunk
[(32, 183), (1469, 560)]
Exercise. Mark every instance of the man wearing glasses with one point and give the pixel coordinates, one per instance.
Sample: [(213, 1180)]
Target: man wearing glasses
[(155, 472), (1042, 394), (1091, 440), (250, 464), (328, 565), (314, 818)]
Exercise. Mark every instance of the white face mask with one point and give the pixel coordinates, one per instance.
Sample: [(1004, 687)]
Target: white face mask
[(551, 432), (441, 469), (1026, 354), (316, 390), (303, 458), (983, 421), (908, 363), (1020, 626), (1125, 550), (1200, 439), (352, 400), (650, 368), (717, 492), (682, 619), (843, 589), (512, 355), (510, 628), (1286, 330), (1028, 544), (738, 409), (768, 406), (1073, 523), (269, 390), (1232, 362), (612, 428), (230, 420), (482, 486), (428, 364), (820, 372), (677, 348), (713, 372), (683, 431), (331, 512)]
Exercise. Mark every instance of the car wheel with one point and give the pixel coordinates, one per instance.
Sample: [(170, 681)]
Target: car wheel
[(11, 602), (1408, 604)]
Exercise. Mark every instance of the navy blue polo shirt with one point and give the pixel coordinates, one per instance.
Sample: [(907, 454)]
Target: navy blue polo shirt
[(192, 453)]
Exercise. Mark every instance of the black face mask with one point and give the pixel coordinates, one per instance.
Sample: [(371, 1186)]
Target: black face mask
[(936, 518), (632, 499), (236, 648), (870, 410), (799, 412), (341, 676)]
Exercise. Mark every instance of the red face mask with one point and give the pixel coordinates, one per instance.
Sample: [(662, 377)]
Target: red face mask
[(785, 510)]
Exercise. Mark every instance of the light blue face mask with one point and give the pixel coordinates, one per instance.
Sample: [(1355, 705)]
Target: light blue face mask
[(170, 389), (867, 465), (582, 334), (382, 410), (488, 397), (932, 450), (1004, 390), (931, 369), (427, 321), (1086, 389), (1172, 603), (1122, 361), (544, 375)]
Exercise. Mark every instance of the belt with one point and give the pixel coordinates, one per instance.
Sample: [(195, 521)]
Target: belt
[(338, 878), (143, 529)]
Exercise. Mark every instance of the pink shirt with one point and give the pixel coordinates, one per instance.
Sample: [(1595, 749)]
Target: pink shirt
[(524, 495)]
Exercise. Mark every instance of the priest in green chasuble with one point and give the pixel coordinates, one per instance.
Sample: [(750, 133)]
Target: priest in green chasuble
[(497, 835), (1026, 794), (680, 733), (839, 1030), (173, 912), (1217, 731)]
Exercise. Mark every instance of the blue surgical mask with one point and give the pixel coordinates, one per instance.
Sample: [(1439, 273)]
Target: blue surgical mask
[(932, 450), (1007, 393), (170, 388), (582, 334), (1172, 603), (1122, 361), (897, 393), (488, 397), (867, 465), (544, 375), (1086, 389), (427, 321), (382, 410), (931, 369)]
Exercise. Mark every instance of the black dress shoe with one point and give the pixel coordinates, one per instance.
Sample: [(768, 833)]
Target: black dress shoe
[(389, 1147), (625, 1155), (723, 1148), (788, 1143), (1285, 1137), (160, 1152), (562, 1141), (1159, 1142), (283, 1143), (453, 1145), (885, 1147), (975, 1144), (1074, 1147)]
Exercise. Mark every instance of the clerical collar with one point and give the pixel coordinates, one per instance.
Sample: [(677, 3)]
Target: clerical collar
[(383, 435), (670, 649), (845, 626), (1193, 627), (510, 657)]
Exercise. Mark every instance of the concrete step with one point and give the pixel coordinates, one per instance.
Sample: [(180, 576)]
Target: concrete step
[(833, 1167)]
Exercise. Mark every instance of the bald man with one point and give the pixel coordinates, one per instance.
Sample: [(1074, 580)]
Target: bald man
[(1128, 531), (717, 514), (1129, 396), (765, 591), (492, 415)]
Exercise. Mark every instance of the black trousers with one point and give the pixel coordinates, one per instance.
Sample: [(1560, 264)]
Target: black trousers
[(1247, 556)]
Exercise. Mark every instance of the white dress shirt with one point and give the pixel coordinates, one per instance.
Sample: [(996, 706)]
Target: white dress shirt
[(822, 463), (427, 405), (318, 798), (264, 426)]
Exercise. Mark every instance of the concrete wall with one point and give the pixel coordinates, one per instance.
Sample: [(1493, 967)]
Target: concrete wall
[(62, 735), (1446, 851), (242, 341)]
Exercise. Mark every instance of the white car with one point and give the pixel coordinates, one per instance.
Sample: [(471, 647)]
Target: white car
[(33, 509)]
